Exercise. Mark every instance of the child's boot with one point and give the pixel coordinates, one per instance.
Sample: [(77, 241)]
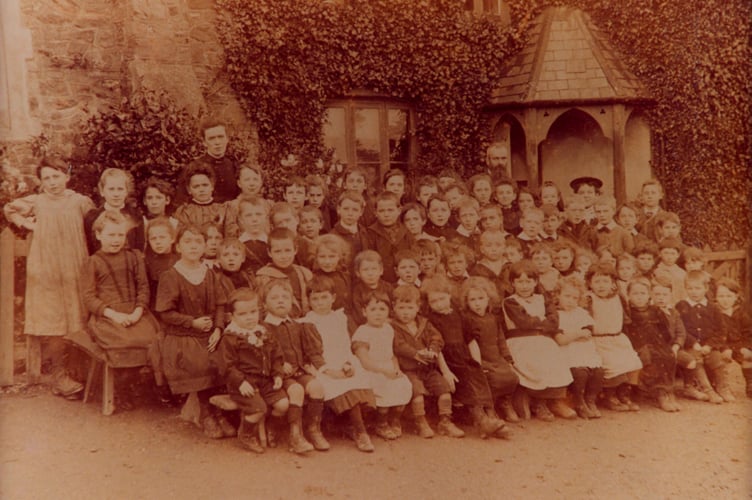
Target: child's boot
[(747, 372), (298, 443), (722, 382), (248, 435), (361, 437), (624, 393), (521, 403), (580, 376), (540, 410), (503, 432), (505, 403), (664, 401), (447, 428), (701, 376), (486, 425), (382, 425), (395, 420), (692, 385), (63, 385), (419, 413), (593, 390), (559, 408), (228, 430), (315, 410), (612, 402)]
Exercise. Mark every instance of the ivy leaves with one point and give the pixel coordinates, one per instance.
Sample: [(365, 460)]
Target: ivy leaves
[(285, 58)]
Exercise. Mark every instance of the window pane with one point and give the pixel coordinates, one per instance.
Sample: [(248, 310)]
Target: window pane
[(397, 133), (367, 140), (334, 132)]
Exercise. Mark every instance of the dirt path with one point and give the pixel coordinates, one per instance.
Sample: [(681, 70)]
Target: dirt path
[(51, 448)]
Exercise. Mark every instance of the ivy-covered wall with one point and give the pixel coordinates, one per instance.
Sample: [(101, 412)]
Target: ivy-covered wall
[(285, 58), (695, 58)]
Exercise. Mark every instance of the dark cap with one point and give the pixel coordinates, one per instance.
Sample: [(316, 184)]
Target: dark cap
[(579, 181)]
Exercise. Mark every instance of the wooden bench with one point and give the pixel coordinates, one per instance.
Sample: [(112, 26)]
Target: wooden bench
[(225, 403), (109, 362)]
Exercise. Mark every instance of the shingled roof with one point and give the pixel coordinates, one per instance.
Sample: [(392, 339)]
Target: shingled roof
[(567, 59)]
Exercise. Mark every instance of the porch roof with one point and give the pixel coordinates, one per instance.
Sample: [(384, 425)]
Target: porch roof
[(567, 59)]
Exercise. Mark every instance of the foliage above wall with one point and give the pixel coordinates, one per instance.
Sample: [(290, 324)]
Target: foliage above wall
[(695, 58), (285, 58), (147, 134)]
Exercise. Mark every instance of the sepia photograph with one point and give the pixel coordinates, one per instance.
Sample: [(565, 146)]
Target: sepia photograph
[(492, 249)]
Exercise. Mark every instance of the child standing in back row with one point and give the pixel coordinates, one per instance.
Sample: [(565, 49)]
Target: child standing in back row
[(58, 250)]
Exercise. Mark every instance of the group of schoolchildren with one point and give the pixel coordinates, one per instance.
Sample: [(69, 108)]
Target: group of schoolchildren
[(475, 294)]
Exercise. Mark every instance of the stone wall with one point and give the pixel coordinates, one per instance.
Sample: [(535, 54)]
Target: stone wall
[(87, 55)]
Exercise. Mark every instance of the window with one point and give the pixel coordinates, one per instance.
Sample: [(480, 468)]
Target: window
[(374, 133)]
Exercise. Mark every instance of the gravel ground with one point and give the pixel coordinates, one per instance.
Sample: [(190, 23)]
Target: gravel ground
[(52, 448)]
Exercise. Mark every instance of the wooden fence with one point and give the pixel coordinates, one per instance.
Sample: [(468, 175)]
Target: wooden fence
[(731, 263)]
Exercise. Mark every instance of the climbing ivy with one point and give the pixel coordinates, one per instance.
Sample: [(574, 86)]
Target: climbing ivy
[(694, 57), (285, 58)]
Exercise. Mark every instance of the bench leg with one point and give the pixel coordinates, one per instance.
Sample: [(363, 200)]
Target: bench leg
[(93, 365), (33, 359), (108, 390)]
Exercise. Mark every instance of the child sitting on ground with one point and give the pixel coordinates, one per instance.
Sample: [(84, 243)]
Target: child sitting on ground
[(417, 345), (347, 387), (251, 362), (372, 343)]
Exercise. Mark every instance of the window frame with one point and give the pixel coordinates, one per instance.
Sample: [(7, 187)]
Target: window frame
[(364, 100)]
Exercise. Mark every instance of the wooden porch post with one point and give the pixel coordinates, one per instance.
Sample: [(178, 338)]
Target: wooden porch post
[(620, 174), (532, 139)]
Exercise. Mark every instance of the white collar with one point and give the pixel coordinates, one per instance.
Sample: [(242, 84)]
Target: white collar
[(275, 320), (415, 283), (703, 302), (247, 237), (234, 328), (464, 232)]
